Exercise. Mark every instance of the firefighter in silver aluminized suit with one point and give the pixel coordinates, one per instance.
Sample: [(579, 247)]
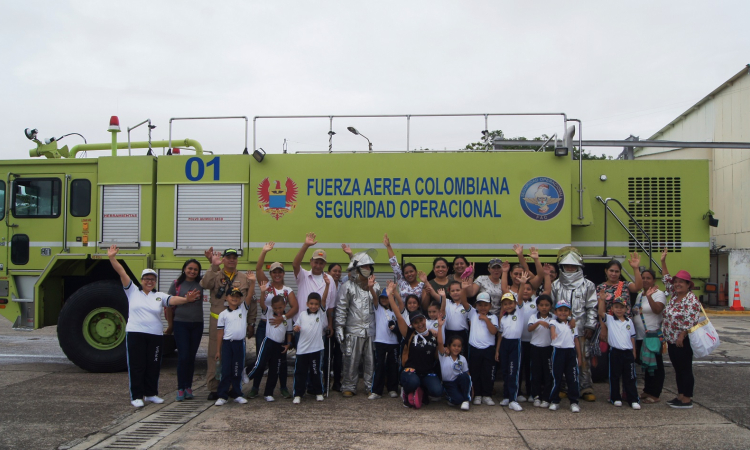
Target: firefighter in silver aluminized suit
[(355, 319), (580, 293)]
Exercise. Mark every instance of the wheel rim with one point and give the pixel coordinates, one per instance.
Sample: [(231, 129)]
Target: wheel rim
[(104, 328)]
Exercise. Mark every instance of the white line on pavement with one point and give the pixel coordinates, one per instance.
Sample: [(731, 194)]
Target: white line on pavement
[(33, 356)]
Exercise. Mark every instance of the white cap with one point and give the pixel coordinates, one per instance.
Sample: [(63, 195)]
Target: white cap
[(148, 272)]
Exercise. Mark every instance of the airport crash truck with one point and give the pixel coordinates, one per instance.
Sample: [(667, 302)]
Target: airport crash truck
[(61, 213)]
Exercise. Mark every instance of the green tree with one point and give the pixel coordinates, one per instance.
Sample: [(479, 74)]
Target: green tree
[(487, 144)]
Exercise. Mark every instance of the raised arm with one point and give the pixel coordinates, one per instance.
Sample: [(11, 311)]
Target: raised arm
[(389, 249), (112, 254), (635, 263), (441, 345), (522, 281), (518, 248), (190, 297), (347, 250), (250, 292), (466, 285), (471, 290), (402, 327), (547, 279), (504, 277), (664, 269), (262, 278), (297, 263), (538, 279), (325, 292)]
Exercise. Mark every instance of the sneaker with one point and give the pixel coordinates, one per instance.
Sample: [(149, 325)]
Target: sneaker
[(488, 401), (617, 403), (418, 398), (544, 405), (505, 402), (452, 405), (635, 405), (348, 394), (465, 406), (537, 402), (681, 405), (189, 394), (554, 407), (520, 399), (674, 400), (220, 402), (575, 408), (241, 400), (589, 397), (297, 400), (212, 396), (285, 393), (245, 379), (410, 399), (319, 398), (515, 406), (138, 403), (269, 398), (373, 396), (253, 393), (477, 400), (393, 394), (154, 399), (180, 395)]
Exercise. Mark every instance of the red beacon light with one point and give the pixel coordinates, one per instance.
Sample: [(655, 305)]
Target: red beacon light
[(114, 124), (175, 151)]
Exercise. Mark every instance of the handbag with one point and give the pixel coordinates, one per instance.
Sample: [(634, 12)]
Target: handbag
[(703, 337), (653, 339)]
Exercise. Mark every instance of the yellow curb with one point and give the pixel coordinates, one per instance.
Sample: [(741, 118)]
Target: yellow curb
[(715, 312)]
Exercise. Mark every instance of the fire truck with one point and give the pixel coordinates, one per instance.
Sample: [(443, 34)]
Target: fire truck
[(60, 212)]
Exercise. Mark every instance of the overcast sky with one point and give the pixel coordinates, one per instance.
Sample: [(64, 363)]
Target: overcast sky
[(621, 67)]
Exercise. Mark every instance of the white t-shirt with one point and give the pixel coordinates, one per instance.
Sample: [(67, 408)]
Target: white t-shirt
[(619, 332), (565, 335), (277, 333), (383, 334), (540, 337), (432, 325), (653, 321), (311, 328), (512, 325), (479, 336), (455, 317), (144, 310), (527, 310), (233, 322), (451, 369), (272, 292)]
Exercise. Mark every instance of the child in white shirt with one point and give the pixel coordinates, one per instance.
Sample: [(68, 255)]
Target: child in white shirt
[(566, 354), (621, 339), (541, 351), (231, 331), (454, 370), (311, 325), (386, 344)]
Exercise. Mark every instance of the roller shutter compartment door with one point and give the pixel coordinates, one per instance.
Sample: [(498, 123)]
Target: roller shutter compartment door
[(121, 215), (209, 216)]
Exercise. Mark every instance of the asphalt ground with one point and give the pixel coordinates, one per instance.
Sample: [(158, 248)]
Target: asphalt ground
[(50, 403)]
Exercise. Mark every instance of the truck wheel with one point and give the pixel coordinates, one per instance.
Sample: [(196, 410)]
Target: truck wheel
[(91, 327)]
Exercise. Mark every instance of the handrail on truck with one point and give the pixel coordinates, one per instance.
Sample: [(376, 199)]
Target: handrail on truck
[(650, 243)]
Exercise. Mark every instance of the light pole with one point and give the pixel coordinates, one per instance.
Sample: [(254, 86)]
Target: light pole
[(354, 131)]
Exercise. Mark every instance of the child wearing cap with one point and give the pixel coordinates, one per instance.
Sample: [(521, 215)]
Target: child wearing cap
[(482, 347), (508, 350), (541, 351), (274, 347), (231, 330), (621, 339), (566, 354), (311, 326), (386, 344)]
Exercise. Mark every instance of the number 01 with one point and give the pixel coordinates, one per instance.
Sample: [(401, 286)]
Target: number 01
[(201, 168)]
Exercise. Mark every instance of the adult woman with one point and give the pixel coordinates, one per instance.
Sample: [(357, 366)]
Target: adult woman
[(143, 333), (682, 313), (418, 359), (460, 264), (407, 281), (332, 347), (647, 319), (439, 281), (275, 287), (613, 270), (490, 284), (186, 322)]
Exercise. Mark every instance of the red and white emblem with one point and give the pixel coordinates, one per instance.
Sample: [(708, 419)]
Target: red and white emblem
[(276, 199)]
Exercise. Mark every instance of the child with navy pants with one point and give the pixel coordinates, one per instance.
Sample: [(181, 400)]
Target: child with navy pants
[(454, 369), (308, 366), (231, 330), (621, 339), (481, 341), (565, 356), (508, 350), (386, 348)]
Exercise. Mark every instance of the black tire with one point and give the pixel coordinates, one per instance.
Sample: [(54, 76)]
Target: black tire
[(70, 327)]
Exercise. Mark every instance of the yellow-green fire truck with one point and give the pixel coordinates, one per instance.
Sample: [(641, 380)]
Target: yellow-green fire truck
[(60, 214)]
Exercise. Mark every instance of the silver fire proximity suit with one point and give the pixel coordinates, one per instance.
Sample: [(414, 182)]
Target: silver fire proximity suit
[(580, 293), (355, 319)]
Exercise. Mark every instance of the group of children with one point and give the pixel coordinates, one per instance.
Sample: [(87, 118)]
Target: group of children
[(532, 339)]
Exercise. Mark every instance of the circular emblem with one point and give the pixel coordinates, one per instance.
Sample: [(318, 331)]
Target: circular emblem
[(532, 306), (515, 318), (627, 327), (158, 299), (240, 315), (317, 319), (434, 325), (542, 198), (284, 323), (463, 311)]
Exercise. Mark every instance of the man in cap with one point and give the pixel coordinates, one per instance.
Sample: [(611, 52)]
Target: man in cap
[(355, 319), (311, 280), (220, 280), (572, 288)]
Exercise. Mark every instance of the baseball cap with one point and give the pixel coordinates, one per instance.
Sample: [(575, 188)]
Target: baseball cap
[(621, 300), (319, 254), (562, 303), (384, 293), (235, 291), (416, 315), (495, 262), (276, 265), (148, 272), (483, 297), (507, 296), (230, 251)]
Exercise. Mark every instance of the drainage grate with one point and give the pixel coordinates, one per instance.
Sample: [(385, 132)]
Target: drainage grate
[(155, 427)]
